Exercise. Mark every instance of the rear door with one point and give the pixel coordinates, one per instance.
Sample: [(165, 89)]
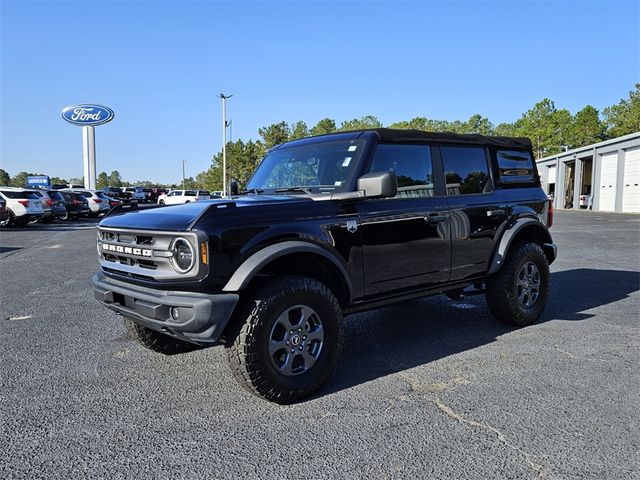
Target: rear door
[(476, 209), (405, 241)]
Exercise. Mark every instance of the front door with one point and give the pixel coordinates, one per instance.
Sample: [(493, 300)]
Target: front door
[(405, 240)]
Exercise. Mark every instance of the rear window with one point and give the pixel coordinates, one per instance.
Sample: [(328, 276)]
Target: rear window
[(466, 170), (56, 195), (17, 194), (514, 166), (203, 192), (190, 193)]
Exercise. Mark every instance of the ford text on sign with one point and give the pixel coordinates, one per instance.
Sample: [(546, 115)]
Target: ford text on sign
[(87, 115)]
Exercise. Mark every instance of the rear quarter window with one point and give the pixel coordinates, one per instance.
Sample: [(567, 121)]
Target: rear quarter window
[(515, 166), (18, 194)]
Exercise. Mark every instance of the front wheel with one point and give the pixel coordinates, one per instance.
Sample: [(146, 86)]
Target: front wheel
[(161, 202), (289, 340), (518, 293)]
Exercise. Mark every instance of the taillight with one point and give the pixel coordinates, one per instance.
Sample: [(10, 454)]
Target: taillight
[(24, 203), (76, 202), (97, 200), (50, 202), (550, 214)]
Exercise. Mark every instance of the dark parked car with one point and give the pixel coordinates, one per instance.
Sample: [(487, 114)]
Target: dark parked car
[(113, 202), (113, 192), (156, 192), (331, 225), (76, 205), (58, 208)]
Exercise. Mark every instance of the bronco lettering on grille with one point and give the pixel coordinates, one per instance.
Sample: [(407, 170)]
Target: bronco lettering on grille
[(140, 252)]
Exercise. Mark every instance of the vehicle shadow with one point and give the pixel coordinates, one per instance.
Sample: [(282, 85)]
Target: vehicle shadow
[(409, 334)]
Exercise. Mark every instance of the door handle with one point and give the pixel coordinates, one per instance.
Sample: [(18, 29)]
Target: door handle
[(435, 218), (496, 213)]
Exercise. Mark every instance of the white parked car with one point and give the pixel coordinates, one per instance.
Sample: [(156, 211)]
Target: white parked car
[(175, 197), (22, 204), (98, 202)]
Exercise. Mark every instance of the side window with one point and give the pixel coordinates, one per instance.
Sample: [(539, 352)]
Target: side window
[(466, 170), (515, 166), (412, 165)]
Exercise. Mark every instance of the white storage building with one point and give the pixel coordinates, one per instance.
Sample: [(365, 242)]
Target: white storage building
[(604, 176)]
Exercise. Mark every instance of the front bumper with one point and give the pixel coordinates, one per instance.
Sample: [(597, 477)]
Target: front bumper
[(202, 318)]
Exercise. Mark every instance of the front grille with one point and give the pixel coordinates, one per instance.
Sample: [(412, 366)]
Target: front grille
[(135, 253)]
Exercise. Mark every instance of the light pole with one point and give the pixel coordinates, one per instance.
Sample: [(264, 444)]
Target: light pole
[(183, 162), (224, 142)]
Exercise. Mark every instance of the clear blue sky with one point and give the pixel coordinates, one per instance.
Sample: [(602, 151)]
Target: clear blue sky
[(160, 65)]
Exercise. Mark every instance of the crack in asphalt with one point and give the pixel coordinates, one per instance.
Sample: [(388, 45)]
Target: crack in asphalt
[(430, 391), (537, 468)]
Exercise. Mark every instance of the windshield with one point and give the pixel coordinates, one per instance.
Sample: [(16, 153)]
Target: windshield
[(320, 167)]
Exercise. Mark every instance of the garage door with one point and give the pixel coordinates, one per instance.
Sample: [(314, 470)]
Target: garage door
[(631, 183), (608, 172)]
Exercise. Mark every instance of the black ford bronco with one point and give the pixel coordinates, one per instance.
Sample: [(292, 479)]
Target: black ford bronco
[(330, 225)]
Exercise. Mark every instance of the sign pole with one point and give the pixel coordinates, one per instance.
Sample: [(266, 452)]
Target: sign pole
[(89, 156)]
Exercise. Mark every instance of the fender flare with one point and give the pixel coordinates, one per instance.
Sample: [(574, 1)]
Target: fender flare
[(252, 265), (497, 259)]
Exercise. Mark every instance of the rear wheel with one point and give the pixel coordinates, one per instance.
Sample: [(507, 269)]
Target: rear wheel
[(289, 340), (161, 202), (19, 222), (156, 341), (518, 293)]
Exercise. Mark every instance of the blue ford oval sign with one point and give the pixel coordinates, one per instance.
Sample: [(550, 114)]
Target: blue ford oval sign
[(87, 115)]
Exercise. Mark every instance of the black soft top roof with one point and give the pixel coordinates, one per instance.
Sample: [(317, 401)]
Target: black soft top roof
[(392, 135)]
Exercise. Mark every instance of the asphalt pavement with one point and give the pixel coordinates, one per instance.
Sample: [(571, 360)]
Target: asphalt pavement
[(425, 389)]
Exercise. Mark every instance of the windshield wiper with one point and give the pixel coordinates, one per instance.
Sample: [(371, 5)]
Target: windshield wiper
[(293, 189), (255, 191)]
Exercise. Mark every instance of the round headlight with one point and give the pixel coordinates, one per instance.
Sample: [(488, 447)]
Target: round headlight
[(183, 256)]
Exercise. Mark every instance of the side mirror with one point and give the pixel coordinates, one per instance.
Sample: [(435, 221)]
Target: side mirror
[(378, 184), (233, 188)]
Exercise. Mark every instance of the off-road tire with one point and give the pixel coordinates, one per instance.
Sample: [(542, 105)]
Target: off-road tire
[(502, 288), (254, 320), (156, 341)]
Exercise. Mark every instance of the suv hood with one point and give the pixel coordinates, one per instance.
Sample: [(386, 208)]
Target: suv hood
[(183, 217)]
